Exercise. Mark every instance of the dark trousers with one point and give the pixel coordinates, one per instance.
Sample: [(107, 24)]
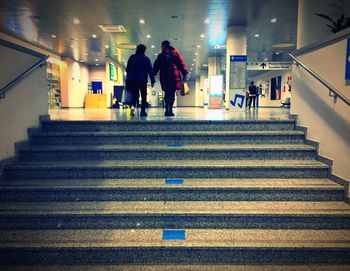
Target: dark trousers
[(169, 98), (252, 100), (136, 88)]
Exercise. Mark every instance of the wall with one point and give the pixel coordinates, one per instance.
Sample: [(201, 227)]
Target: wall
[(21, 109), (188, 100), (327, 121), (261, 79), (74, 83)]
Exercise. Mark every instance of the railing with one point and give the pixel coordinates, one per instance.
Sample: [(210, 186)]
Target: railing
[(40, 63)]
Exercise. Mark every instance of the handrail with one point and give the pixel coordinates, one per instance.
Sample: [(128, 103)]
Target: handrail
[(22, 76), (332, 91)]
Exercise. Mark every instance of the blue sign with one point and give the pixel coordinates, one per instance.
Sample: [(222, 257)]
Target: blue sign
[(238, 58), (347, 67), (237, 98), (174, 235), (174, 181)]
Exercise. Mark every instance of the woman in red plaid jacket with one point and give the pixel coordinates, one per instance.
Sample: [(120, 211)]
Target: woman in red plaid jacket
[(170, 64)]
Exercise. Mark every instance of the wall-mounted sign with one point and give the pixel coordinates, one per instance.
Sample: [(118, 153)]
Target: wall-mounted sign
[(269, 66), (111, 71), (238, 71), (347, 67)]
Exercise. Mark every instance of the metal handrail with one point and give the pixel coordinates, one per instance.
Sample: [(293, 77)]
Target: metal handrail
[(22, 76), (332, 91)]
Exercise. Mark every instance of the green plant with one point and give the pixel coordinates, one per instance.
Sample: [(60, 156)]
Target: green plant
[(337, 25)]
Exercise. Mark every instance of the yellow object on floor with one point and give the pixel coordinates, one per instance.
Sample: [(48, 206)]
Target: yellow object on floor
[(96, 101)]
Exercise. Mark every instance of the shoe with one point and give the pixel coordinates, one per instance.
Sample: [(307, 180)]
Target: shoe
[(132, 111), (167, 114), (143, 114)]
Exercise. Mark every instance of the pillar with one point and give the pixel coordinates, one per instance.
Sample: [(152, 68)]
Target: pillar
[(236, 44)]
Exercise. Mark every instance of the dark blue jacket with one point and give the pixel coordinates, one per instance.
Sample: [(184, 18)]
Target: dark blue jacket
[(139, 65)]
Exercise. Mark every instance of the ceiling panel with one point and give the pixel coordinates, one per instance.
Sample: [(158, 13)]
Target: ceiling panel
[(180, 21)]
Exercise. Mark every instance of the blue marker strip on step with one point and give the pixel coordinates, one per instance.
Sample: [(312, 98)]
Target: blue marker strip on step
[(175, 145), (174, 235), (174, 181)]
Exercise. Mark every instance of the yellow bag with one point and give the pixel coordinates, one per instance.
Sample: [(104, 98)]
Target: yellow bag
[(186, 89)]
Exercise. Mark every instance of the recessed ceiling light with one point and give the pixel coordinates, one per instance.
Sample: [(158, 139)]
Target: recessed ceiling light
[(190, 69), (155, 54), (94, 36), (107, 46), (194, 59), (277, 53), (273, 20), (265, 59), (72, 46), (97, 64), (152, 46), (76, 21), (53, 36), (202, 35), (198, 46), (192, 64), (96, 59), (207, 21), (115, 54), (141, 21), (81, 60), (148, 36), (257, 35)]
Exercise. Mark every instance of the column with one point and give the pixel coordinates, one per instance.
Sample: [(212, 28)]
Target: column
[(236, 68)]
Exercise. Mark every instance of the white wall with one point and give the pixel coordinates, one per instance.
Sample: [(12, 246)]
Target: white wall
[(261, 79), (188, 100), (327, 121), (21, 108)]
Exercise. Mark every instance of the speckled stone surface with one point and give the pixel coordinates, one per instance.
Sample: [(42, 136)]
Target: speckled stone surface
[(93, 193)]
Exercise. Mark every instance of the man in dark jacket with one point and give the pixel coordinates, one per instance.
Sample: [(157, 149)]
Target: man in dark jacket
[(137, 69), (170, 63)]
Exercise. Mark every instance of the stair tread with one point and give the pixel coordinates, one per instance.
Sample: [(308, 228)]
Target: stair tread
[(178, 207), (195, 238), (163, 133), (163, 164), (165, 147), (184, 267), (187, 184)]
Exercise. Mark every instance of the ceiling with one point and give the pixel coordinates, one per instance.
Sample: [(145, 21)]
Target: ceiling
[(67, 27)]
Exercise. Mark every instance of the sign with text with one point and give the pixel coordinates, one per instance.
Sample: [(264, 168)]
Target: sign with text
[(269, 66), (238, 71)]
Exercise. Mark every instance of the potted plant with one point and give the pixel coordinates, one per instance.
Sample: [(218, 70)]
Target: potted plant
[(336, 25)]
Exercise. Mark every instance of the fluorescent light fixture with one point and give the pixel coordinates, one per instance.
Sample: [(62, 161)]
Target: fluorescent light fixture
[(273, 20), (141, 21)]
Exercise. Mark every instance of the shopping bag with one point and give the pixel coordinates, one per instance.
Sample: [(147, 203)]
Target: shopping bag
[(185, 90)]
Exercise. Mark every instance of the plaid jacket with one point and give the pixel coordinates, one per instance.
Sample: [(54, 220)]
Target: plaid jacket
[(170, 64)]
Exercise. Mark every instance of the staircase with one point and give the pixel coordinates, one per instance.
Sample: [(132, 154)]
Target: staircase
[(171, 193)]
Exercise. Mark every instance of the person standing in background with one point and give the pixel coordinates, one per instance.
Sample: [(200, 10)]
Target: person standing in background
[(139, 67), (170, 64), (252, 94)]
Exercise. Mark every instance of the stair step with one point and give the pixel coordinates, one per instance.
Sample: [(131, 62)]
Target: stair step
[(200, 246), (167, 137), (157, 189), (168, 125), (183, 267), (175, 214), (170, 169), (169, 152)]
